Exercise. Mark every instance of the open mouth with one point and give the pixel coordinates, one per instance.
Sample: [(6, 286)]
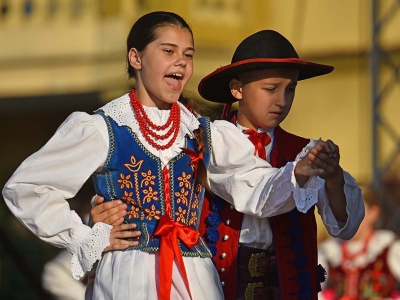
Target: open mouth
[(174, 80)]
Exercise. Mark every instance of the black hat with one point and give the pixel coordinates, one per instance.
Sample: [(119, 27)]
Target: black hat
[(265, 49)]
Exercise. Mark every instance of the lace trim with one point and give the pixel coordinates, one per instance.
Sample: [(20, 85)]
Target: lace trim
[(91, 250), (306, 197), (120, 111)]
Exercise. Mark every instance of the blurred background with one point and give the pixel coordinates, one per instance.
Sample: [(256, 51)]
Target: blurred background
[(60, 56)]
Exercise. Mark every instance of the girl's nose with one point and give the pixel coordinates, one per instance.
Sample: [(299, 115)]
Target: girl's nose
[(181, 61)]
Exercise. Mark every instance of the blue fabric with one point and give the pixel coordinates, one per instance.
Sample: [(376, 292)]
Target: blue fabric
[(134, 175)]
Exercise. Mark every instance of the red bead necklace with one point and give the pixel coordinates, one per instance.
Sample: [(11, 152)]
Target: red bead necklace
[(147, 127)]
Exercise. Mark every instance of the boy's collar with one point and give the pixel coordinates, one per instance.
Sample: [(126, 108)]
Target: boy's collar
[(271, 131)]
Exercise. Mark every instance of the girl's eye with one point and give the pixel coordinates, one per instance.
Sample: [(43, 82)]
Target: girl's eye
[(189, 55), (168, 51)]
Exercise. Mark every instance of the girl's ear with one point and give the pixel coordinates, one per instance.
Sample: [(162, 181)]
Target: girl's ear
[(236, 87), (134, 59)]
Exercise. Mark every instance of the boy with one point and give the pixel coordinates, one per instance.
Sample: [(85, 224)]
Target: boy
[(262, 77)]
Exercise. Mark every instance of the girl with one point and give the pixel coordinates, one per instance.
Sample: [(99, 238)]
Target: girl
[(148, 150)]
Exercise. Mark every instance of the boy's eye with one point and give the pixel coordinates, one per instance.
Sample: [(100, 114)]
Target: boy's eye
[(270, 89)]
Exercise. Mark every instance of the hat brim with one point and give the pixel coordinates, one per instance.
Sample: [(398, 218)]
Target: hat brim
[(215, 86)]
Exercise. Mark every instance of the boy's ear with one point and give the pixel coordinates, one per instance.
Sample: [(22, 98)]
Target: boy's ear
[(134, 59), (236, 87)]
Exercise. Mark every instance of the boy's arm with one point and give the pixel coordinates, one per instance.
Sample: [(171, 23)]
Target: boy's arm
[(326, 156)]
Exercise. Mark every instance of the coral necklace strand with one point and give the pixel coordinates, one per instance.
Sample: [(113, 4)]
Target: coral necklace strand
[(146, 125)]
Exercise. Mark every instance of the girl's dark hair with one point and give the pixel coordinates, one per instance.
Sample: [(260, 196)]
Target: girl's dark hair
[(144, 31)]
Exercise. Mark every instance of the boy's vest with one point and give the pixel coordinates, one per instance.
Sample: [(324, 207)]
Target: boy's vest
[(294, 236), (374, 281), (134, 175)]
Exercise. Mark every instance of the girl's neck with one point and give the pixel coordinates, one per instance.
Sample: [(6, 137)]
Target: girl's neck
[(150, 100)]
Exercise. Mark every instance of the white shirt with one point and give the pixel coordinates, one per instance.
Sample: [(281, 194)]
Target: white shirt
[(37, 191)]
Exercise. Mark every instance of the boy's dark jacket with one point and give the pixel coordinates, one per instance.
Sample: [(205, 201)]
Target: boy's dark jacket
[(294, 236)]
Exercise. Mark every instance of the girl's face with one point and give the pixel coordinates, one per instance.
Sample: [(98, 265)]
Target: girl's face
[(164, 67), (265, 96)]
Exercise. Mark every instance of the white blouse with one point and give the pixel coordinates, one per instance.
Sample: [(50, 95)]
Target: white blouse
[(37, 191)]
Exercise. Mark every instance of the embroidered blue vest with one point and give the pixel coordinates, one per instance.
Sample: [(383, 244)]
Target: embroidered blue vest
[(134, 175)]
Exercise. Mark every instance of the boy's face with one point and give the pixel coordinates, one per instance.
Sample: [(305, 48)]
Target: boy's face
[(265, 96)]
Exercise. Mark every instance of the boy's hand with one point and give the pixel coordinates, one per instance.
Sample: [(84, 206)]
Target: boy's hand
[(304, 170), (111, 213), (119, 235), (326, 156)]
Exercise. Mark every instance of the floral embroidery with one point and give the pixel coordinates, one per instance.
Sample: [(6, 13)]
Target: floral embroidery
[(133, 213), (134, 167), (184, 180), (128, 198), (150, 195), (182, 196), (181, 215), (148, 178), (195, 203), (124, 181), (153, 213), (194, 218)]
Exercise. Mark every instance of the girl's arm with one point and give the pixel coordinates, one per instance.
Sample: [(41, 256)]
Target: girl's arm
[(37, 192)]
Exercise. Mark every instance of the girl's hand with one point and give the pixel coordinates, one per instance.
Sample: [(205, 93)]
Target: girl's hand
[(119, 235), (111, 213)]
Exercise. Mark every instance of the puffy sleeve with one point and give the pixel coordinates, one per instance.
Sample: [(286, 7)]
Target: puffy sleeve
[(354, 207), (250, 183), (37, 191)]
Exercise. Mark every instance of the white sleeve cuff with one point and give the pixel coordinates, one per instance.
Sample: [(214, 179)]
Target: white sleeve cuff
[(90, 249), (307, 196)]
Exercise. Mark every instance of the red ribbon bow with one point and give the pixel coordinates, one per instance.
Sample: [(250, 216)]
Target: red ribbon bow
[(260, 140), (195, 158), (170, 231)]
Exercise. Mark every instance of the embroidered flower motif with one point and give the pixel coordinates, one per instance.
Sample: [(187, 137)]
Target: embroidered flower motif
[(153, 213), (150, 195), (181, 215), (124, 181), (128, 198), (182, 196), (195, 203), (133, 213), (148, 178), (194, 218), (134, 166), (199, 188), (184, 180)]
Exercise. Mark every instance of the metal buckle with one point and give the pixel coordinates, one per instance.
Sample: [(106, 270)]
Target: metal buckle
[(253, 264), (249, 292)]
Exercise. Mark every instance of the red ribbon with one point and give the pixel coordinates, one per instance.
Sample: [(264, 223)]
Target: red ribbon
[(170, 231), (195, 158), (260, 140)]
